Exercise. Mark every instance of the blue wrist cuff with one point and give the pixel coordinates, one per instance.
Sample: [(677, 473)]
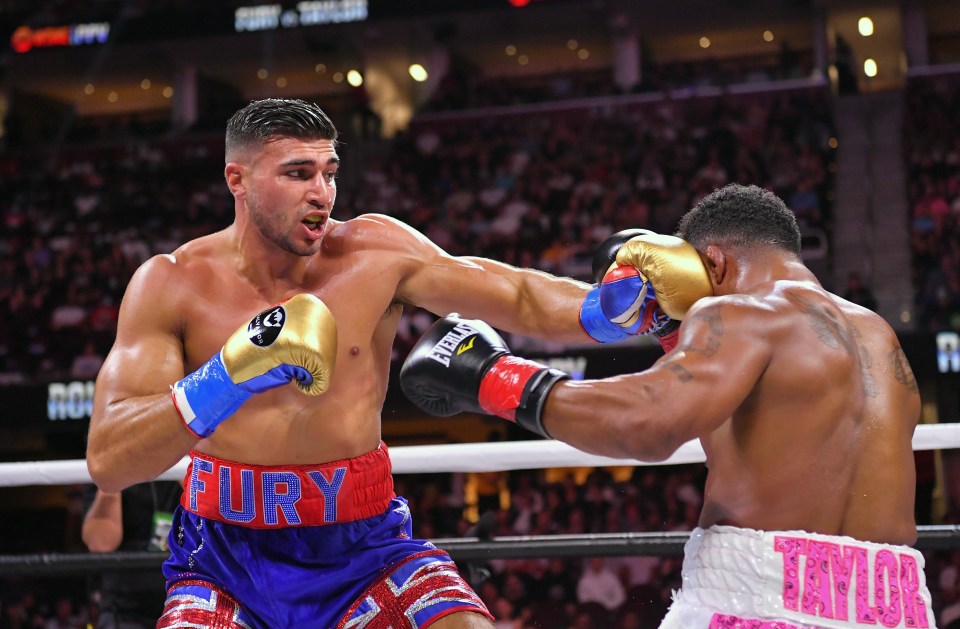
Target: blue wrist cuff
[(207, 397), (595, 324)]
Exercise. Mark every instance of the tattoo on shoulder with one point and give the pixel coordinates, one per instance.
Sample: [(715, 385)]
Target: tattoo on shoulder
[(870, 388), (711, 315), (711, 344), (901, 369), (827, 328)]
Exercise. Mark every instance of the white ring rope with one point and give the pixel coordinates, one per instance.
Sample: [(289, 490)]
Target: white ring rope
[(460, 457)]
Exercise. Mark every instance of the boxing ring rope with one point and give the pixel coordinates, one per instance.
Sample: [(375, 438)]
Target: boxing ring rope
[(668, 544), (458, 457), (470, 457)]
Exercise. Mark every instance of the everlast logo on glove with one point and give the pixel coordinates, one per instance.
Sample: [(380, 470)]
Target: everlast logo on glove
[(479, 374), (266, 326), (444, 349)]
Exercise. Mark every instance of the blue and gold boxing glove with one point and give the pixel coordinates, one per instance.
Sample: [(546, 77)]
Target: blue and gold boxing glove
[(592, 319), (295, 341), (655, 280)]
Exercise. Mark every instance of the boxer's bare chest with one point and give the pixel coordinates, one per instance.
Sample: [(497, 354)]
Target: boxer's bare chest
[(359, 298)]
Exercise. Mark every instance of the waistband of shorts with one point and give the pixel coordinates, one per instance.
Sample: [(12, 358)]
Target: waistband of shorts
[(282, 496), (807, 578)]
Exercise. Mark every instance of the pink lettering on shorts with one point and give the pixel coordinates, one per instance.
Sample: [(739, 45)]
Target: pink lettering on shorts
[(817, 600), (886, 583), (914, 607), (725, 621), (887, 580), (792, 548)]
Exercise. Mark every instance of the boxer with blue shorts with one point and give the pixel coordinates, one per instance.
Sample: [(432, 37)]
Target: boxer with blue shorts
[(289, 517), (331, 543)]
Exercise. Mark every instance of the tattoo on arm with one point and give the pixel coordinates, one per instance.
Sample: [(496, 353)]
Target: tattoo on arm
[(682, 374), (870, 388), (707, 342), (828, 329), (901, 369), (711, 316)]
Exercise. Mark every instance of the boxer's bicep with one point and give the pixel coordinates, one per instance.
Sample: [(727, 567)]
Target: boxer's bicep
[(135, 431), (720, 357), (147, 355)]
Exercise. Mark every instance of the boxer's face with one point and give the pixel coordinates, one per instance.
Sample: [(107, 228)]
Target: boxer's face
[(288, 188)]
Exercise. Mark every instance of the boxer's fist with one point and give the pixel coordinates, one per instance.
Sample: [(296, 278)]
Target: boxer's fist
[(672, 267), (295, 341), (629, 301), (655, 280), (464, 365), (592, 319)]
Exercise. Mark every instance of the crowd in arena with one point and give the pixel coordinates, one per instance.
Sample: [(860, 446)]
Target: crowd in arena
[(932, 146), (533, 190)]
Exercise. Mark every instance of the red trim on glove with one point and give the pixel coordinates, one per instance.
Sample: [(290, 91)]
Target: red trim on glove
[(669, 341), (502, 385)]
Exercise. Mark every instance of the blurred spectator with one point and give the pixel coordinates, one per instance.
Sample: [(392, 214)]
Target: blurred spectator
[(950, 614), (598, 584), (846, 64), (86, 365), (858, 293), (506, 616), (65, 616)]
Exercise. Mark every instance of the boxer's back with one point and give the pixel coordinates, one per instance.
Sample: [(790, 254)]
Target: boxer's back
[(823, 442)]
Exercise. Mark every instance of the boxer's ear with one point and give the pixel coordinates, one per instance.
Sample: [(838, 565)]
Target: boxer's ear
[(717, 263), (233, 174)]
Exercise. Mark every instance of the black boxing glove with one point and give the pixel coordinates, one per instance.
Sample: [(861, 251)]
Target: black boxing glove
[(464, 365), (606, 253)]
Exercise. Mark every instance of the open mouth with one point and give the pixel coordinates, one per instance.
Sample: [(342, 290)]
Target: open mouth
[(314, 223)]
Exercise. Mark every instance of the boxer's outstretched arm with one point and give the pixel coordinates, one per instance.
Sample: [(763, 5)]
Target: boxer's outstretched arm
[(690, 392), (136, 432), (523, 301)]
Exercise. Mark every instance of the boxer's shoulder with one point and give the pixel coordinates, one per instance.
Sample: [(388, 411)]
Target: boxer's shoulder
[(750, 308), (167, 281), (196, 261), (378, 236), (368, 230)]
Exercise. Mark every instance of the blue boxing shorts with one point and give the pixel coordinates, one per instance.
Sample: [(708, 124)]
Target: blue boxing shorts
[(327, 546)]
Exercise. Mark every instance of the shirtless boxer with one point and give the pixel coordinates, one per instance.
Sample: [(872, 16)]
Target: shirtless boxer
[(804, 403), (288, 517)]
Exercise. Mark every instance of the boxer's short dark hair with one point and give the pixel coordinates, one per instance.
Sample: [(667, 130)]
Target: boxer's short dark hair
[(738, 215), (281, 117)]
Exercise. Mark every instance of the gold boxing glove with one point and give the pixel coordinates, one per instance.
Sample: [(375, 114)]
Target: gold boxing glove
[(672, 267), (295, 341)]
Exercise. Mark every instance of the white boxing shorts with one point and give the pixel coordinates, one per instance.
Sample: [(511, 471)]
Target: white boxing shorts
[(737, 578)]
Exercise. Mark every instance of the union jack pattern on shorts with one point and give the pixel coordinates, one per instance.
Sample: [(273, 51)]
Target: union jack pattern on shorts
[(418, 592), (196, 604)]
